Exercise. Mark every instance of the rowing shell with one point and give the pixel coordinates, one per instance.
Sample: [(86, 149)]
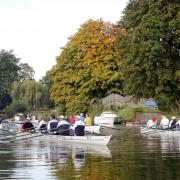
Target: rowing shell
[(96, 140), (15, 127), (145, 130)]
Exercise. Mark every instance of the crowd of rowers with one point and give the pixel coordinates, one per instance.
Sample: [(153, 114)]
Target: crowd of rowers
[(58, 125), (165, 123)]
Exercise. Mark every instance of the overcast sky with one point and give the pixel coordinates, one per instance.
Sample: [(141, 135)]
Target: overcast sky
[(37, 29)]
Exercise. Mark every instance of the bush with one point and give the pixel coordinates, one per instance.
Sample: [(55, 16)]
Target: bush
[(166, 103), (16, 107), (127, 114)]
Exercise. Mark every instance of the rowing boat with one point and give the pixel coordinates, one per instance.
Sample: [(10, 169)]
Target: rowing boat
[(89, 139), (16, 126), (145, 130), (96, 140)]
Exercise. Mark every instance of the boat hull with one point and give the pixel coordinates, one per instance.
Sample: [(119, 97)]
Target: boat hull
[(96, 140)]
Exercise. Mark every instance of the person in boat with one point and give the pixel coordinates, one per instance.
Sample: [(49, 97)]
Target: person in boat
[(87, 120), (152, 123), (82, 118), (27, 126), (164, 124), (41, 124), (178, 125), (72, 120), (52, 124), (173, 122), (63, 127), (78, 127)]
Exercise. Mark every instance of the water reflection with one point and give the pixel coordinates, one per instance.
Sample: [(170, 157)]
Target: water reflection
[(33, 156), (169, 142), (129, 155)]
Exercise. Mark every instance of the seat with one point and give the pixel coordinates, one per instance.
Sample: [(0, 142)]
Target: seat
[(79, 130), (53, 126), (43, 128), (63, 130)]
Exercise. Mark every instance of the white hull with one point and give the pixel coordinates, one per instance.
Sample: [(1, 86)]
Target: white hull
[(105, 118), (154, 131), (96, 140)]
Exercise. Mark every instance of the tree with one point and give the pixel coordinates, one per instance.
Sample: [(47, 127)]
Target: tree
[(8, 73), (26, 72), (88, 66), (150, 49), (31, 93)]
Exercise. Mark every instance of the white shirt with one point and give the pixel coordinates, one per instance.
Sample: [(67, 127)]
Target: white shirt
[(62, 122), (151, 124), (40, 123), (77, 123), (178, 123), (164, 123)]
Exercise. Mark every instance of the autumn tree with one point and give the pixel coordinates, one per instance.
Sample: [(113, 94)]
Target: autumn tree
[(150, 50), (88, 66)]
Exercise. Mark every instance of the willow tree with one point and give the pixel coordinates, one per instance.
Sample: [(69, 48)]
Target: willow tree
[(88, 66), (30, 93), (151, 53)]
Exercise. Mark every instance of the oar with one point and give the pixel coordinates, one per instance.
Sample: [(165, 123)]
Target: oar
[(38, 134), (157, 130)]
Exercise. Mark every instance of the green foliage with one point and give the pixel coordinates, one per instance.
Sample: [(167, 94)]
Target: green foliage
[(127, 114), (165, 102), (87, 67), (16, 107), (8, 73), (150, 49), (96, 108), (26, 72), (33, 94)]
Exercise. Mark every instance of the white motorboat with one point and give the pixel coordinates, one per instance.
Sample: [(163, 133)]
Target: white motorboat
[(107, 117), (93, 129)]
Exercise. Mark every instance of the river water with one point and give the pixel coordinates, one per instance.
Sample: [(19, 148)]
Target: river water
[(129, 155)]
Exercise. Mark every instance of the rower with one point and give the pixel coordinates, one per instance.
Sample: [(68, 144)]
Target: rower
[(78, 127), (178, 125), (27, 126), (52, 124), (63, 127), (173, 122), (152, 123), (41, 124), (164, 124)]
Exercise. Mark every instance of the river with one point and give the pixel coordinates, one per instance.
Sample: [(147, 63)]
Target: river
[(129, 155)]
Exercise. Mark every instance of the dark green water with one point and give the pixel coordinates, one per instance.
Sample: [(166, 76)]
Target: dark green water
[(129, 155)]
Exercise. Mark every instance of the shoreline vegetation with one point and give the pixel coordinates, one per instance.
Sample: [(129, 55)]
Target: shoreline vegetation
[(138, 56)]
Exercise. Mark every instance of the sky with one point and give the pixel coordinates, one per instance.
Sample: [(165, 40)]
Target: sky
[(37, 29)]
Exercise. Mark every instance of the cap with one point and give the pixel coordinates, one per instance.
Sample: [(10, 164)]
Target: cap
[(173, 117), (61, 117)]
